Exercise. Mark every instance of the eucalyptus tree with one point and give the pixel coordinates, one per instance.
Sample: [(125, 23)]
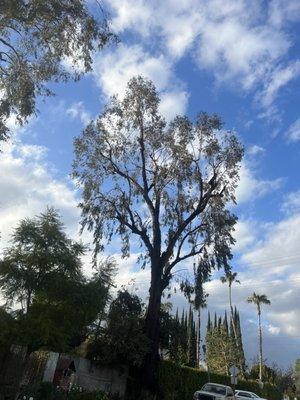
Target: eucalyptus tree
[(231, 277), (37, 38), (259, 300), (166, 184)]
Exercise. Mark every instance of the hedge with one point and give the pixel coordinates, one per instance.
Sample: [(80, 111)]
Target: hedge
[(180, 383), (46, 391)]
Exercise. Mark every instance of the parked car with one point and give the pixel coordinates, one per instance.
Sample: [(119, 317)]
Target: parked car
[(244, 395), (214, 391)]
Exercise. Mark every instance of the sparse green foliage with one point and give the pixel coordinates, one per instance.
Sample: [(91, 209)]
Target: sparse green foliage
[(37, 39)]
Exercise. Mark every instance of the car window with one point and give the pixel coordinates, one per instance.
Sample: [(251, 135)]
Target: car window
[(214, 389), (254, 396), (244, 394)]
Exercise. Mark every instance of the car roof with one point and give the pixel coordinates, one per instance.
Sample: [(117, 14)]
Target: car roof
[(216, 384), (241, 390)]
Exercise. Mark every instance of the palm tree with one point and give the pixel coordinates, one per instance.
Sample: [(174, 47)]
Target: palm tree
[(258, 300), (230, 278)]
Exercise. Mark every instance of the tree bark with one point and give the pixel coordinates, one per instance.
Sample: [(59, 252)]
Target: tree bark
[(150, 364), (260, 345), (199, 336)]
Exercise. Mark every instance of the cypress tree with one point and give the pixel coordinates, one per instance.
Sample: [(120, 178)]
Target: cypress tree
[(215, 321), (220, 323), (225, 323), (242, 361), (208, 326)]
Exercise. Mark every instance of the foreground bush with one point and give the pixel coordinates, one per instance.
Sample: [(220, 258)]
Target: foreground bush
[(180, 383), (46, 391)]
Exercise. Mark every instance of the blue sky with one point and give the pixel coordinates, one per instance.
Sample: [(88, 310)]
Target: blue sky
[(238, 58)]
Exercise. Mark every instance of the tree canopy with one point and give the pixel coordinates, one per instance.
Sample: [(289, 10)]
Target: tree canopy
[(55, 304), (37, 40), (40, 251), (258, 300), (122, 341), (167, 184)]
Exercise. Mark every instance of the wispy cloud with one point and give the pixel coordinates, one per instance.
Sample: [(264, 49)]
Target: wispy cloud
[(293, 132), (78, 110)]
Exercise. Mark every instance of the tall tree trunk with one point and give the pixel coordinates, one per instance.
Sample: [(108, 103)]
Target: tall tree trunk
[(199, 336), (150, 364), (260, 345)]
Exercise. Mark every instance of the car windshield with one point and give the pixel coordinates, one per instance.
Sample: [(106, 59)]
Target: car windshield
[(214, 389), (255, 396)]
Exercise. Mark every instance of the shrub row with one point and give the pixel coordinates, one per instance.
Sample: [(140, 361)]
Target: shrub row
[(180, 383), (46, 391)]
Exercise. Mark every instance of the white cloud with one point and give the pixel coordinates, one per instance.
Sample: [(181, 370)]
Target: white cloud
[(173, 103), (274, 330), (279, 247), (243, 43), (255, 149), (136, 15), (251, 188), (281, 11), (244, 235), (291, 203), (293, 132), (279, 78), (77, 110), (28, 186), (113, 70)]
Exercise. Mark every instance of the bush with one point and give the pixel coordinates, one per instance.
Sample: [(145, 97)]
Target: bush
[(180, 383), (46, 391), (39, 391)]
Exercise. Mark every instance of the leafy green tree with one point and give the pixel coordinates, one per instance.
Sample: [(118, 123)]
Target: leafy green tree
[(41, 273), (60, 316), (122, 341), (6, 323), (36, 39), (168, 185), (40, 253), (258, 300)]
